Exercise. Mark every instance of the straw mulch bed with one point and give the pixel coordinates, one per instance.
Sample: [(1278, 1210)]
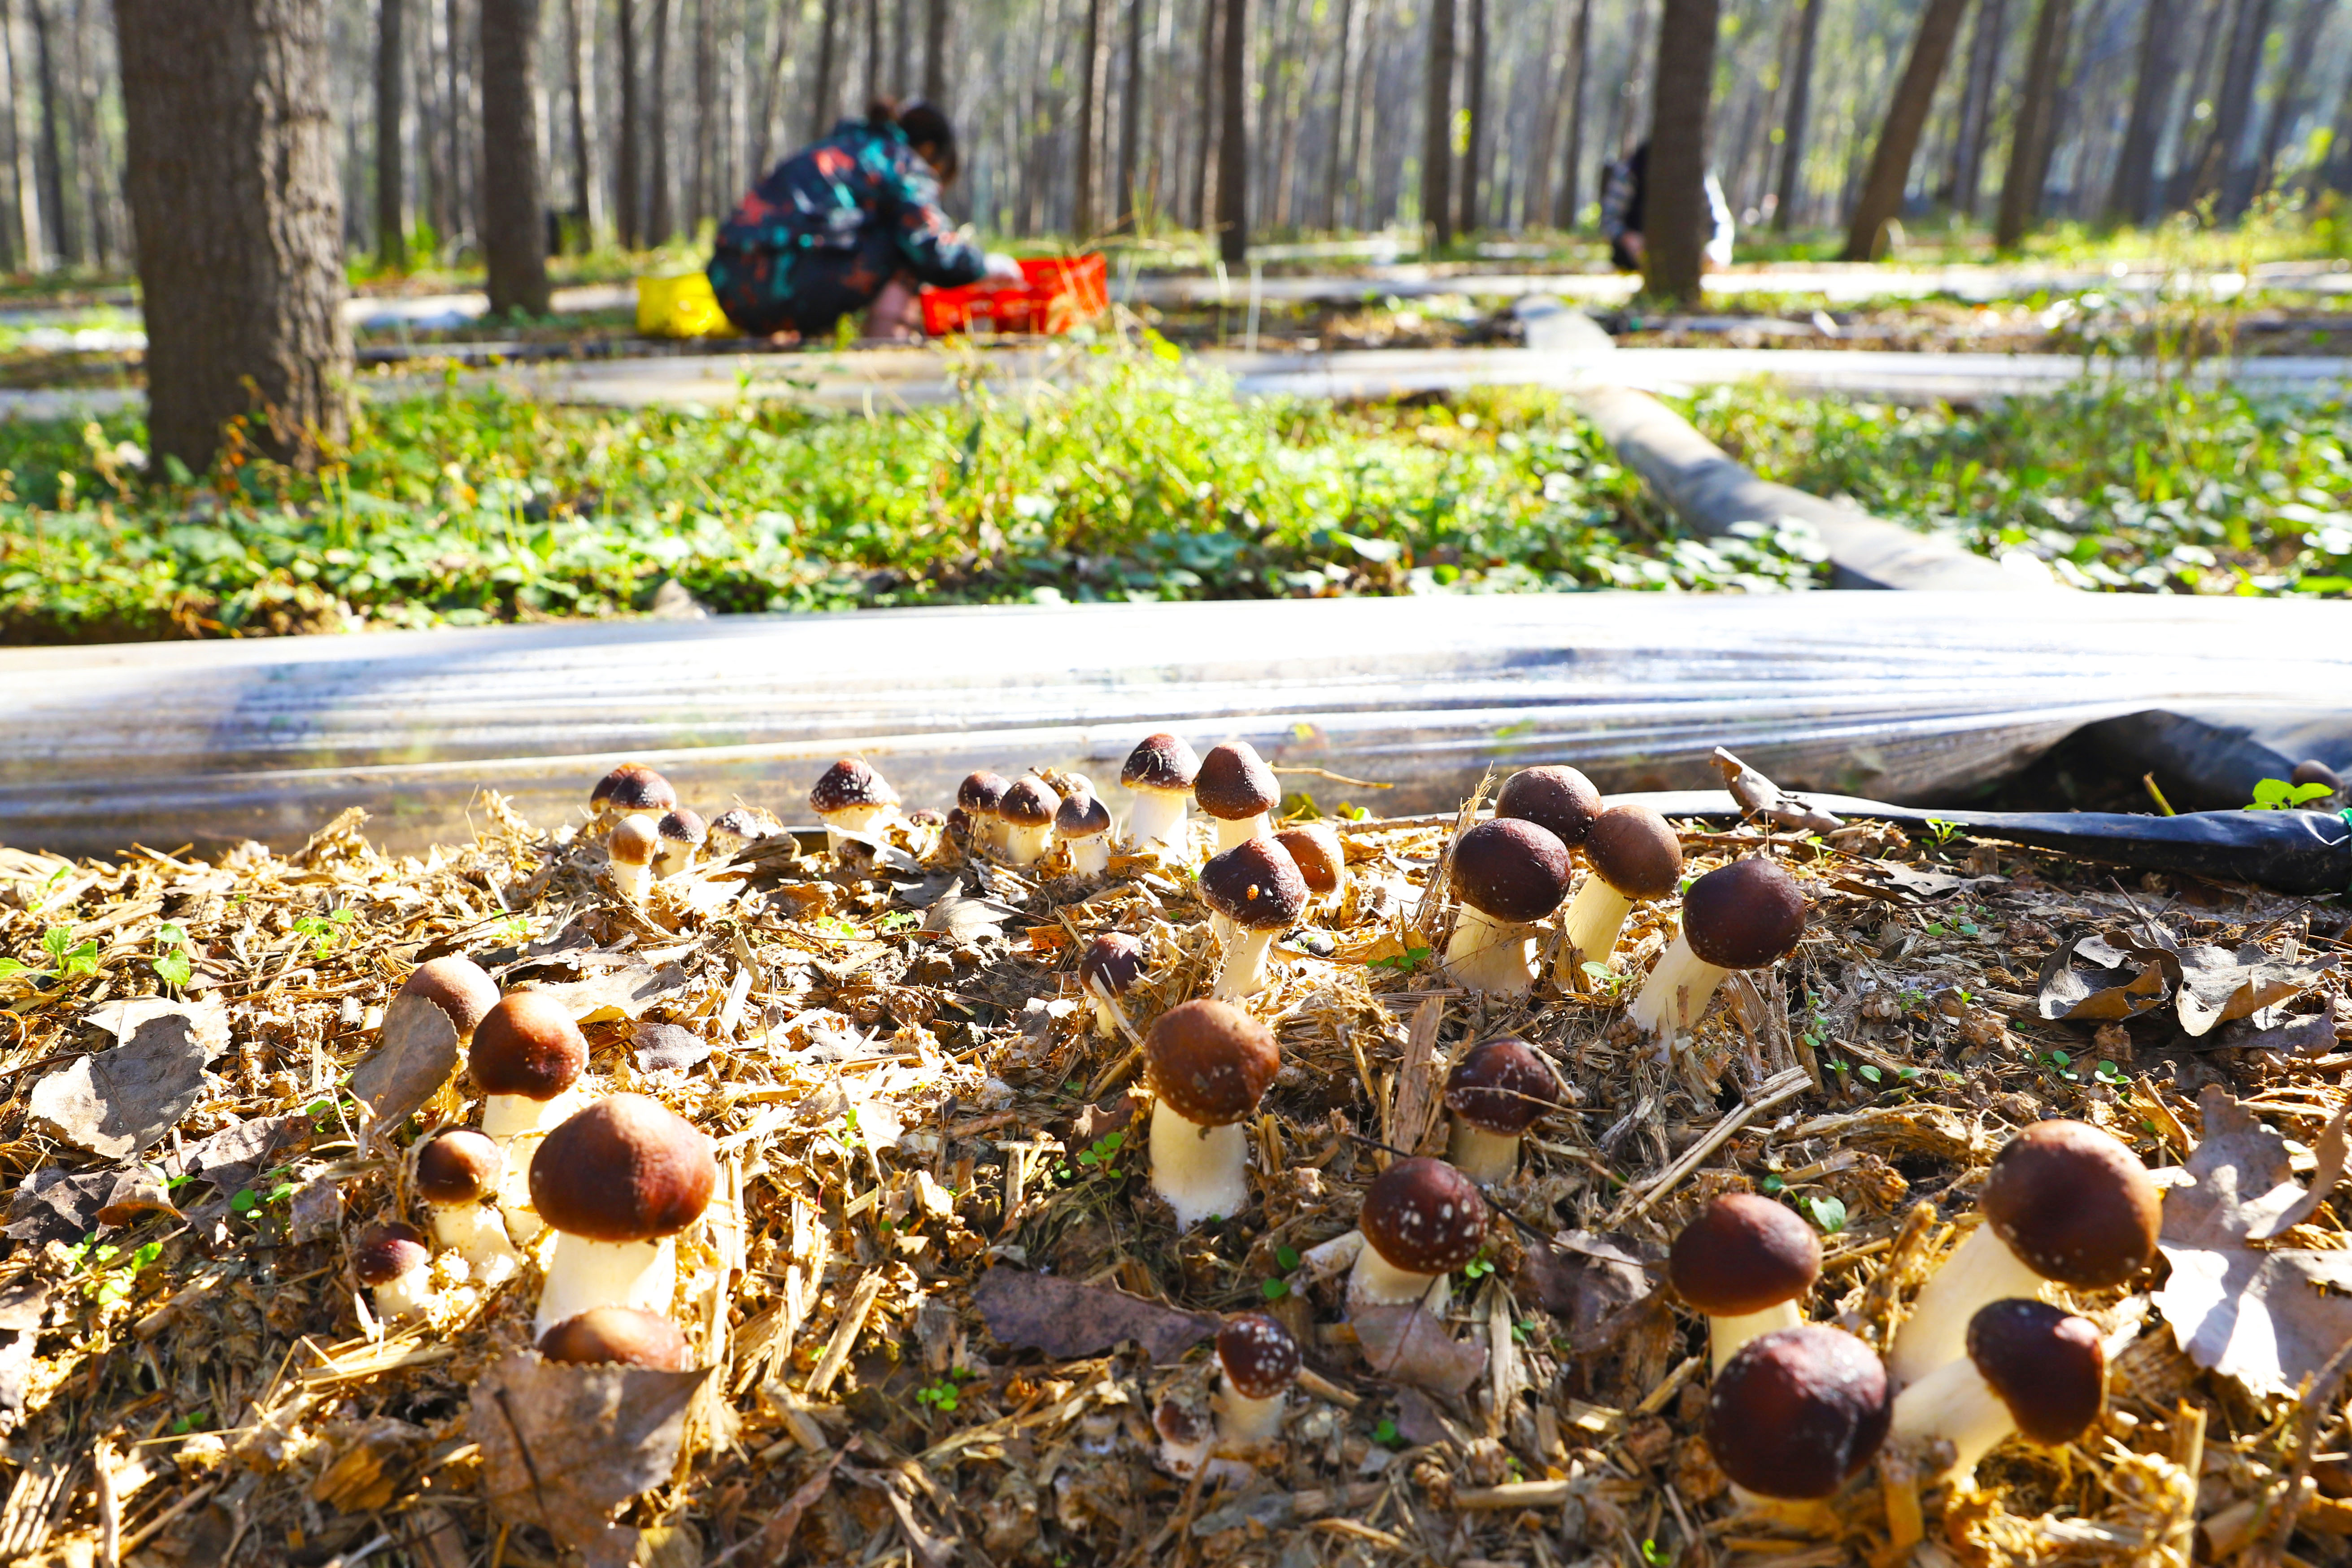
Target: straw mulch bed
[(906, 1093)]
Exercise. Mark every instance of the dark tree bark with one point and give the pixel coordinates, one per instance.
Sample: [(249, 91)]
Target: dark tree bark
[(454, 99), (1335, 175), (1906, 117), (873, 51), (1131, 117), (661, 221), (1204, 168), (2217, 173), (771, 84), (1793, 126), (1473, 156), (901, 39), (2159, 63), (1437, 129), (512, 217), (2205, 69), (2288, 103), (92, 158), (1976, 106), (702, 191), (1090, 84), (1232, 139), (62, 231), (828, 84), (234, 201), (24, 166), (2036, 118), (390, 211), (1571, 164), (935, 51), (629, 188), (581, 90), (1674, 209)]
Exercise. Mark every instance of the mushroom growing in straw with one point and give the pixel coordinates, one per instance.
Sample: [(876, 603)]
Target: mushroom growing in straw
[(1260, 1361), (390, 1262), (1237, 790), (1747, 1263), (1322, 863), (1798, 1413), (1112, 964), (1633, 857), (628, 790), (1256, 889), (2031, 1370), (458, 1170), (848, 797), (1745, 915), (682, 834), (1561, 801), (617, 1183), (527, 1060), (1160, 772), (736, 829), (617, 1336), (455, 983), (1209, 1064), (1498, 1089), (978, 797), (1026, 813), (1509, 874), (1082, 824), (634, 843), (1422, 1220), (2063, 1200)]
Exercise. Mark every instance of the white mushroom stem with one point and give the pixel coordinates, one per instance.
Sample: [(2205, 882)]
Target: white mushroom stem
[(1590, 927), (506, 1117), (1954, 1402), (1090, 856), (476, 1233), (675, 858), (632, 882), (1981, 1271), (1201, 1171), (406, 1296), (1242, 972), (1026, 846), (583, 1274), (1484, 1157), (1377, 1282), (1108, 1012), (1157, 817), (1241, 830), (1246, 1423), (1727, 1335), (1491, 955), (848, 819), (1676, 995)]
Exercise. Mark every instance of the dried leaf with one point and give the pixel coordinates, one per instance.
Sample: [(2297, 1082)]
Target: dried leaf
[(923, 892), (23, 1301), (1890, 880), (2261, 1317), (418, 1054), (234, 1158), (315, 1211), (56, 1205), (1598, 1285), (960, 919), (666, 1048), (2271, 1029), (1098, 1122), (2090, 979), (1066, 1319), (623, 993), (2217, 986), (124, 1100), (208, 1019), (1407, 1344), (562, 1447)]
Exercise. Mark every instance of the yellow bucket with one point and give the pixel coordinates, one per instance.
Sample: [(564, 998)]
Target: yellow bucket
[(680, 307)]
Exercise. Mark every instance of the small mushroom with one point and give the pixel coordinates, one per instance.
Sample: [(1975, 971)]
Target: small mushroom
[(1747, 1263), (1633, 857), (848, 797), (1026, 813), (1082, 824), (1322, 863), (1256, 890), (1422, 1220), (1209, 1064), (457, 1171), (1561, 801), (978, 797), (1798, 1413), (682, 834), (2312, 771), (1260, 1361), (617, 1183), (2031, 1370), (1113, 962), (1498, 1089), (527, 1058), (618, 1336), (734, 830), (634, 843), (1747, 915), (1160, 773), (458, 985), (1237, 790), (392, 1262), (2062, 1202), (1509, 874), (629, 790)]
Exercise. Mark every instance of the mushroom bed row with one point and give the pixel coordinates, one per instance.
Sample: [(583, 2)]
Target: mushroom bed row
[(1795, 1410)]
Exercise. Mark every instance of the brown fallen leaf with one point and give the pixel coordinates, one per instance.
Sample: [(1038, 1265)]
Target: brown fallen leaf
[(963, 918), (2217, 986), (235, 1157), (624, 994), (562, 1447), (667, 1049), (2271, 1029), (2269, 1319), (775, 1537), (1406, 1343), (23, 1300), (122, 1101), (1065, 1318), (208, 1019), (2091, 979), (1598, 1285), (56, 1205), (418, 1054)]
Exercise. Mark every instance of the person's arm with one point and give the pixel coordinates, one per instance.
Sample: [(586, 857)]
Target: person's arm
[(940, 254)]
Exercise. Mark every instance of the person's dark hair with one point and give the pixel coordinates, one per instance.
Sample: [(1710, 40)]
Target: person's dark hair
[(925, 126)]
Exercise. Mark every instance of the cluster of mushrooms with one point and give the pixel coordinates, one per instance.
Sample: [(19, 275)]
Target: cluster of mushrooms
[(1797, 1409)]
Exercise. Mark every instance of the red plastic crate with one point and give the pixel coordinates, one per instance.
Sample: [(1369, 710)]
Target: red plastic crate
[(1055, 293)]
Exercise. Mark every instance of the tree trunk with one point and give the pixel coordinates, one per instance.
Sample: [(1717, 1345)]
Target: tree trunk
[(2160, 61), (1335, 172), (628, 187), (935, 52), (91, 161), (2030, 138), (1474, 155), (1976, 106), (391, 213), (25, 161), (233, 199), (828, 88), (1792, 127), (1565, 205), (661, 221), (771, 85), (2217, 173), (900, 41), (1130, 118), (512, 216), (583, 89), (1090, 85), (2288, 99), (702, 187), (52, 152), (1674, 209), (1906, 117), (1437, 130), (455, 101), (1232, 139), (1205, 169)]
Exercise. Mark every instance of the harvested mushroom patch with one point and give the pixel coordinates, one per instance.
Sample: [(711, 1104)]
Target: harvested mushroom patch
[(1077, 1177)]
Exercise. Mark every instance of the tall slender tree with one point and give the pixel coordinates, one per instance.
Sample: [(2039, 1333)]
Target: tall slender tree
[(1437, 129), (628, 186), (821, 101), (873, 51), (1906, 117), (1130, 118), (62, 229), (1474, 154), (771, 83), (1565, 205), (25, 177), (661, 215), (1974, 130), (1232, 139), (935, 51), (2219, 172), (1792, 125), (2160, 56), (390, 186), (1673, 209), (1204, 166), (2286, 102), (238, 213), (580, 94), (1085, 178), (514, 236), (1335, 177), (2036, 120), (702, 187)]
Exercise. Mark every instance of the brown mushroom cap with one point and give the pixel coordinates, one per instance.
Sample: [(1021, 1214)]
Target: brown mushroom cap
[(2073, 1204), (1745, 915), (1559, 800), (848, 784), (1160, 762), (1255, 885), (1315, 847), (459, 1166), (625, 1169), (1743, 1254), (982, 793), (1258, 1354), (633, 787), (635, 838), (527, 1045), (621, 1336), (1081, 816), (682, 826), (458, 985), (1511, 870), (2311, 770), (1235, 784), (1798, 1412), (2047, 1365), (1501, 1085), (1113, 962), (1209, 1062), (1030, 802), (741, 821), (385, 1252), (1633, 849), (1424, 1216)]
